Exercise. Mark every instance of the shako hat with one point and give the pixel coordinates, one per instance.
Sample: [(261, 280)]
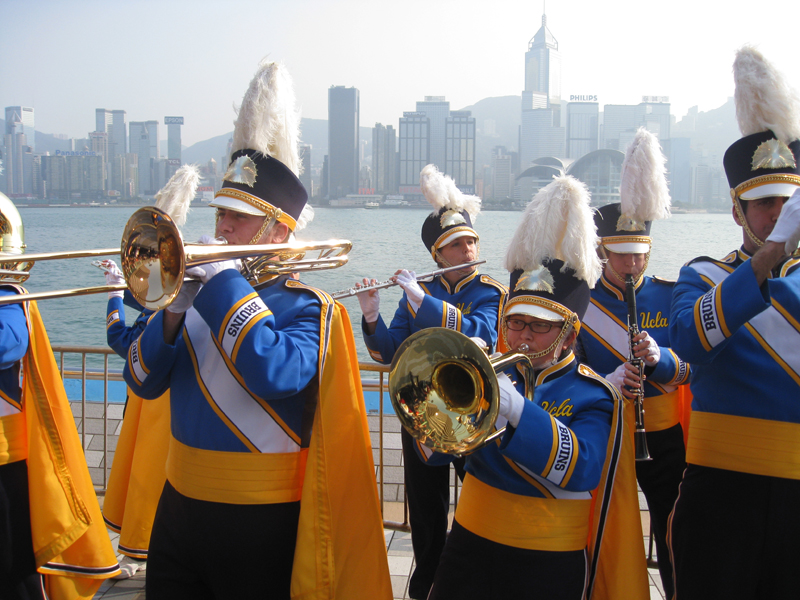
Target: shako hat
[(453, 212), (262, 177), (764, 161), (552, 256), (644, 197)]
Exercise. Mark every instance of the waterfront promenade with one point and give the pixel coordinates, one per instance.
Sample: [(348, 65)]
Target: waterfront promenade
[(398, 543)]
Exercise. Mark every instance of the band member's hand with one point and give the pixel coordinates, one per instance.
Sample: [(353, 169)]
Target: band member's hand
[(183, 301), (625, 377), (370, 301), (787, 228), (480, 342), (113, 277), (511, 401), (205, 272), (647, 349), (408, 281)]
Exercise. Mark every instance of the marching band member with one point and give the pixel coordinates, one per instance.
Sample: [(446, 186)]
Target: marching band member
[(270, 483), (735, 525), (624, 230), (137, 474), (50, 522), (461, 300), (526, 506)]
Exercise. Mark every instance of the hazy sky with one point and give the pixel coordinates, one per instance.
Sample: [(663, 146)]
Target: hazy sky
[(195, 58)]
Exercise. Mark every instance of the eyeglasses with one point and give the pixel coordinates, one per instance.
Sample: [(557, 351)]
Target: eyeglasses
[(534, 326)]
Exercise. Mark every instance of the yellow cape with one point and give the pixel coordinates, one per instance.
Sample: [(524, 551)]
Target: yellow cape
[(341, 550), (70, 542), (138, 474)]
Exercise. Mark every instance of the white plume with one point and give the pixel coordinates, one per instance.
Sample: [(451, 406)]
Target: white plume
[(267, 120), (643, 190), (763, 99), (557, 224), (176, 197), (441, 191), (306, 216)]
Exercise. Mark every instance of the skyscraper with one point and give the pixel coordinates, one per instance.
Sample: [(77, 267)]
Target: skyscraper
[(582, 128), (541, 132), (343, 141), (174, 137), (460, 150), (20, 142), (144, 143), (384, 159), (415, 148), (437, 109)]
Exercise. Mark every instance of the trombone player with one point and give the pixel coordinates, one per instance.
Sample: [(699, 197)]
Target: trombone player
[(264, 394), (461, 300), (625, 242)]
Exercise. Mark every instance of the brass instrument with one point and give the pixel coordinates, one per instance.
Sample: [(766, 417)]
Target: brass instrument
[(444, 390), (424, 277), (154, 260), (639, 435)]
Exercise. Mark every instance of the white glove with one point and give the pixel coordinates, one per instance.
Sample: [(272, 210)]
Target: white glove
[(370, 303), (113, 277), (183, 301), (480, 342), (511, 401), (206, 272), (617, 378), (408, 281), (787, 228), (653, 351)]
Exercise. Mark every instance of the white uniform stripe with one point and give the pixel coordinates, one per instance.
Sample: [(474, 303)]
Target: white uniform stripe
[(781, 336), (238, 322), (709, 319), (554, 489), (136, 363), (238, 405), (564, 454), (614, 334)]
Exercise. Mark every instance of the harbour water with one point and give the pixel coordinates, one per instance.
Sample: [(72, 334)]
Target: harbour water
[(383, 241)]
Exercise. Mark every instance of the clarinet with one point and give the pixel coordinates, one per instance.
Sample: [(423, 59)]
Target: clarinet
[(639, 435)]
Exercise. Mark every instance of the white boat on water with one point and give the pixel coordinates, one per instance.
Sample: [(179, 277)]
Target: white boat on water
[(372, 205)]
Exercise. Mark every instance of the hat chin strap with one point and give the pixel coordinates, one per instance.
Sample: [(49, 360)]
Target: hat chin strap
[(267, 224), (565, 329), (617, 275), (737, 206)]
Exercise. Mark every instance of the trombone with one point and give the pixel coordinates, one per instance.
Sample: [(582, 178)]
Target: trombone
[(424, 277), (154, 260), (444, 390)]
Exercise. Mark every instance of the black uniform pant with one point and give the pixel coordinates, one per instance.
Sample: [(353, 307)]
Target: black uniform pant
[(208, 550), (19, 579), (428, 491), (659, 479), (474, 567), (735, 536)]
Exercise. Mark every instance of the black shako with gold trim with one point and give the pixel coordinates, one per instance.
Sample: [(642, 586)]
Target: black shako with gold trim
[(442, 227), (760, 165)]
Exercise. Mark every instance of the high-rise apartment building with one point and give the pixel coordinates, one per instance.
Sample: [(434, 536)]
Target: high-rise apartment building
[(437, 109), (384, 159), (620, 122), (502, 176), (343, 141), (583, 129), (112, 122), (415, 151), (459, 161), (144, 143), (540, 136), (305, 175), (19, 140), (173, 137)]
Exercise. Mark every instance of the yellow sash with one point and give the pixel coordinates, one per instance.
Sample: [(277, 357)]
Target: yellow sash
[(341, 551), (70, 541)]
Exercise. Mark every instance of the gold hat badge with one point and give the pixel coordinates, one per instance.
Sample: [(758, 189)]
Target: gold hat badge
[(242, 170), (773, 154), (536, 280), (451, 217)]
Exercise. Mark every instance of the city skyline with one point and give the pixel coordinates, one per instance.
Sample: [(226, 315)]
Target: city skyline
[(466, 51)]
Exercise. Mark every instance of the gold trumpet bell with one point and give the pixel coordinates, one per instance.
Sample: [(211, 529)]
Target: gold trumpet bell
[(444, 390)]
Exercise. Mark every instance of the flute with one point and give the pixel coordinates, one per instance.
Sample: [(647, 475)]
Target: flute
[(389, 283)]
